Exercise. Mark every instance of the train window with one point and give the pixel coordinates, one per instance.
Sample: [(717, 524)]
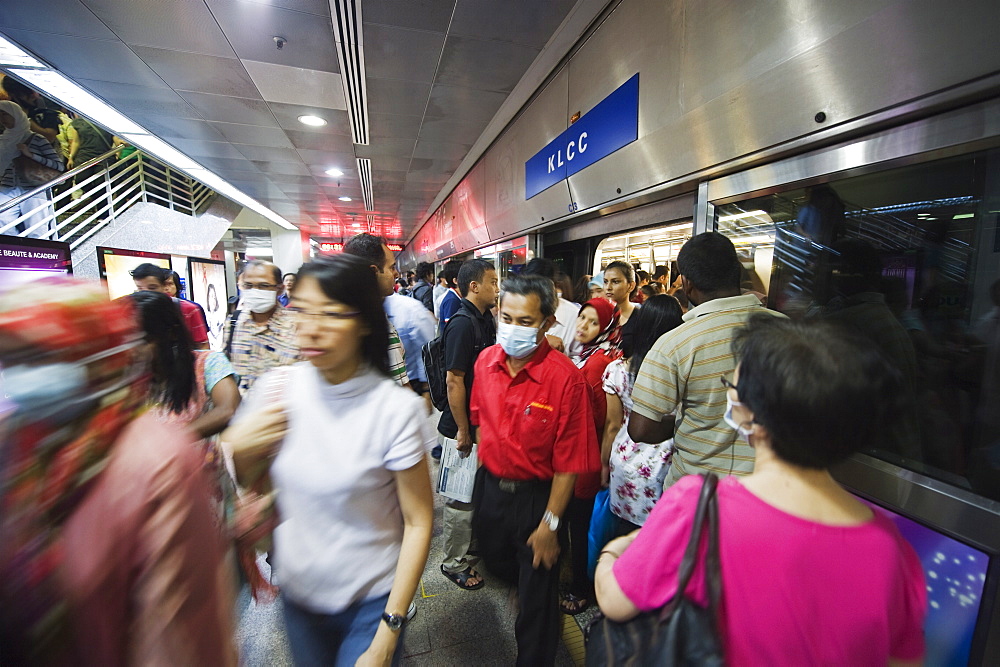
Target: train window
[(644, 249), (910, 257)]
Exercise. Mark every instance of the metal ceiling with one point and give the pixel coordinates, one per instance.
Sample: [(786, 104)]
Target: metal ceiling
[(207, 76)]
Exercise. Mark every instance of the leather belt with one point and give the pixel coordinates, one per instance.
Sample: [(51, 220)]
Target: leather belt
[(515, 485)]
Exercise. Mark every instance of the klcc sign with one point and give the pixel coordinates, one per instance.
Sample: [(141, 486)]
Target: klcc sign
[(610, 125)]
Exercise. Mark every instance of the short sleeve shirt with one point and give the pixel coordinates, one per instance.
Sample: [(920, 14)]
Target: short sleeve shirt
[(460, 353), (397, 357), (679, 379), (257, 348), (783, 577), (194, 318), (535, 424)]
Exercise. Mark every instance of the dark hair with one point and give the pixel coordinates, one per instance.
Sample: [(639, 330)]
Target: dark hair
[(659, 272), (173, 350), (288, 274), (473, 270), (648, 291), (581, 291), (262, 264), (540, 286), (12, 86), (368, 247), (451, 271), (564, 284), (349, 279), (147, 270), (709, 262), (540, 266), (211, 296), (641, 275), (177, 280), (425, 270), (622, 267), (822, 392), (658, 315)]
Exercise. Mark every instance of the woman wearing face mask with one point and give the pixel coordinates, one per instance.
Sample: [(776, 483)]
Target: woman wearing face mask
[(18, 140), (594, 326), (105, 507), (353, 491), (619, 284), (787, 530), (634, 472)]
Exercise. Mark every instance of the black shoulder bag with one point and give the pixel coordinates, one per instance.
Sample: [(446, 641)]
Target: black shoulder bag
[(681, 632)]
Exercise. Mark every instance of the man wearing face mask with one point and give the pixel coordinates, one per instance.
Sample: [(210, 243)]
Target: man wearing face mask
[(260, 335), (678, 383), (536, 434)]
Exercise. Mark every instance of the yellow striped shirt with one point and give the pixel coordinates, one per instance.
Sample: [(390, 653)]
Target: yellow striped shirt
[(680, 377)]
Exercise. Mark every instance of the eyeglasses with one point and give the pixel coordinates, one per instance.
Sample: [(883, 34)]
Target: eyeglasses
[(264, 286), (728, 384), (323, 316)]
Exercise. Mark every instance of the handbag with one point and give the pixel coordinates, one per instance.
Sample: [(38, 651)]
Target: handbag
[(31, 173), (681, 632), (602, 529)]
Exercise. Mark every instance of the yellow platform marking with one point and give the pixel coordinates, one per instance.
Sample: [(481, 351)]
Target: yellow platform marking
[(572, 636), (423, 591)]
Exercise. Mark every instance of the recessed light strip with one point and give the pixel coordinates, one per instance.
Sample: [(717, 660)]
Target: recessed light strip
[(58, 87), (365, 172), (350, 52)]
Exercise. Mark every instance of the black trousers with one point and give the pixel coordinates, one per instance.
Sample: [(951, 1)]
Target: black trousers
[(578, 516), (502, 523)]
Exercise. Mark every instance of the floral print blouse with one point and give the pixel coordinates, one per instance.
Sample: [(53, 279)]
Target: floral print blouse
[(637, 469)]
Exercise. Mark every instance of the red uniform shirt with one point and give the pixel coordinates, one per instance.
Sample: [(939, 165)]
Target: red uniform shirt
[(536, 424), (195, 320)]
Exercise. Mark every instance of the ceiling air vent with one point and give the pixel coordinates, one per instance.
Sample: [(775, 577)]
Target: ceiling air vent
[(365, 172), (351, 53)]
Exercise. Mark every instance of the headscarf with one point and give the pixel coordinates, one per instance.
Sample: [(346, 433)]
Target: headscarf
[(11, 138), (50, 455), (607, 316)]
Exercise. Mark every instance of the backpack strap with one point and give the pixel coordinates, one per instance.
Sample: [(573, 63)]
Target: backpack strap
[(232, 329)]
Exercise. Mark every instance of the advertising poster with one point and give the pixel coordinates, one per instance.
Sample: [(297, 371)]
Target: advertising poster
[(207, 288), (116, 266), (22, 260)]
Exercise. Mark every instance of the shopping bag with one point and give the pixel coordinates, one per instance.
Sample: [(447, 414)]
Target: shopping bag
[(602, 529)]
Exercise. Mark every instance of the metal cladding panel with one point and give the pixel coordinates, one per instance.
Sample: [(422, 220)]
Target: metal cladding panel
[(468, 214), (507, 210)]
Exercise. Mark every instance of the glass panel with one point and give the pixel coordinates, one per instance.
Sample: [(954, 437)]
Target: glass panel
[(644, 249), (910, 257)]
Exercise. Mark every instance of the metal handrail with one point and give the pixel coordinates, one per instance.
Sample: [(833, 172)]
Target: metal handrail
[(62, 178)]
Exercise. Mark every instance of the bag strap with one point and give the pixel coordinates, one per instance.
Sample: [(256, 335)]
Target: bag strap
[(232, 329), (706, 515), (101, 133)]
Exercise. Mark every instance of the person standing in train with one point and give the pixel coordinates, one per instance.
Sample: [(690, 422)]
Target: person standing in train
[(678, 382), (422, 290), (619, 284), (261, 335), (536, 434), (470, 331)]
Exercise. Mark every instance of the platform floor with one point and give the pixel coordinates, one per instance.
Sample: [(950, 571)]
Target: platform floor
[(452, 626)]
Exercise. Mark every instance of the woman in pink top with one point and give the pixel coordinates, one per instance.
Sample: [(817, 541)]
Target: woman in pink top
[(810, 575)]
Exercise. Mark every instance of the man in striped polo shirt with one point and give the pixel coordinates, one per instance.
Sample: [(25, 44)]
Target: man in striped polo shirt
[(678, 391)]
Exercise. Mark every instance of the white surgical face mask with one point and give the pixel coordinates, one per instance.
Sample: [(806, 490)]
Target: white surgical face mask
[(517, 341), (728, 417), (259, 300)]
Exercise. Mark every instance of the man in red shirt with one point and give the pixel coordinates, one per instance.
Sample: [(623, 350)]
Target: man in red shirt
[(150, 277), (536, 434)]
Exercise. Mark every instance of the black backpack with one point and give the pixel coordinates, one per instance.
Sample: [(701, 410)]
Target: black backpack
[(434, 364)]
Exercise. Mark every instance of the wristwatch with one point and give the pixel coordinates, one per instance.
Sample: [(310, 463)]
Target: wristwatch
[(551, 520), (394, 621)]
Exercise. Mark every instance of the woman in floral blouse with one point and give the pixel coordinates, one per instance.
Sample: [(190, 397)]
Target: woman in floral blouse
[(634, 471)]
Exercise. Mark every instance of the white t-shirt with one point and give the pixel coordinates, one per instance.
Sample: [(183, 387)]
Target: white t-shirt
[(341, 526), (565, 326)]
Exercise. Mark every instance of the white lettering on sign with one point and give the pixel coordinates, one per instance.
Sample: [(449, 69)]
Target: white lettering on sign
[(27, 254), (573, 149)]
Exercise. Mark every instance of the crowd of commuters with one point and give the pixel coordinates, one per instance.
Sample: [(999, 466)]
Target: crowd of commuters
[(307, 438)]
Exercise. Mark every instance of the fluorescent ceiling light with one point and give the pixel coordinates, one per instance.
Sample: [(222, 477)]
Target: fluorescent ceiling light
[(162, 150), (345, 199), (752, 240), (58, 87), (260, 252), (12, 55), (333, 171), (747, 214), (960, 216), (314, 121)]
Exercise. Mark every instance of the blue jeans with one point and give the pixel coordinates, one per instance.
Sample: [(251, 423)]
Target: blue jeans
[(334, 639)]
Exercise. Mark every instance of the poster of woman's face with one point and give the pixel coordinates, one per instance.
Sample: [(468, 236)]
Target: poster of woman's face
[(208, 289)]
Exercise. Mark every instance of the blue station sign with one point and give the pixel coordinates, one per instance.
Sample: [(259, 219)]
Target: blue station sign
[(610, 125)]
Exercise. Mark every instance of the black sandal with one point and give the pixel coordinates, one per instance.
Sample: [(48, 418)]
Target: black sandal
[(461, 579), (571, 604)]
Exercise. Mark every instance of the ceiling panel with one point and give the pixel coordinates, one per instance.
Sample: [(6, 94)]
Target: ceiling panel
[(295, 85), (326, 159), (406, 98), (432, 15), (317, 7), (500, 64), (440, 150), (400, 53), (178, 26), (467, 105), (241, 164), (384, 175), (287, 168), (391, 126), (334, 143), (288, 118), (386, 148), (198, 148), (527, 22), (267, 154), (252, 26), (169, 127), (291, 179), (450, 130), (230, 109), (253, 134), (200, 73), (73, 18), (137, 101)]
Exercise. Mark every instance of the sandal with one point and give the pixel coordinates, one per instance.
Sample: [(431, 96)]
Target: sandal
[(571, 604), (461, 579)]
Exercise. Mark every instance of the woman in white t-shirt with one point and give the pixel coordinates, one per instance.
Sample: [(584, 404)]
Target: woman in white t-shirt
[(354, 501)]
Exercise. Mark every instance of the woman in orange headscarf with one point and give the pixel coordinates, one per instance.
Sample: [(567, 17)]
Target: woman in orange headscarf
[(108, 552)]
